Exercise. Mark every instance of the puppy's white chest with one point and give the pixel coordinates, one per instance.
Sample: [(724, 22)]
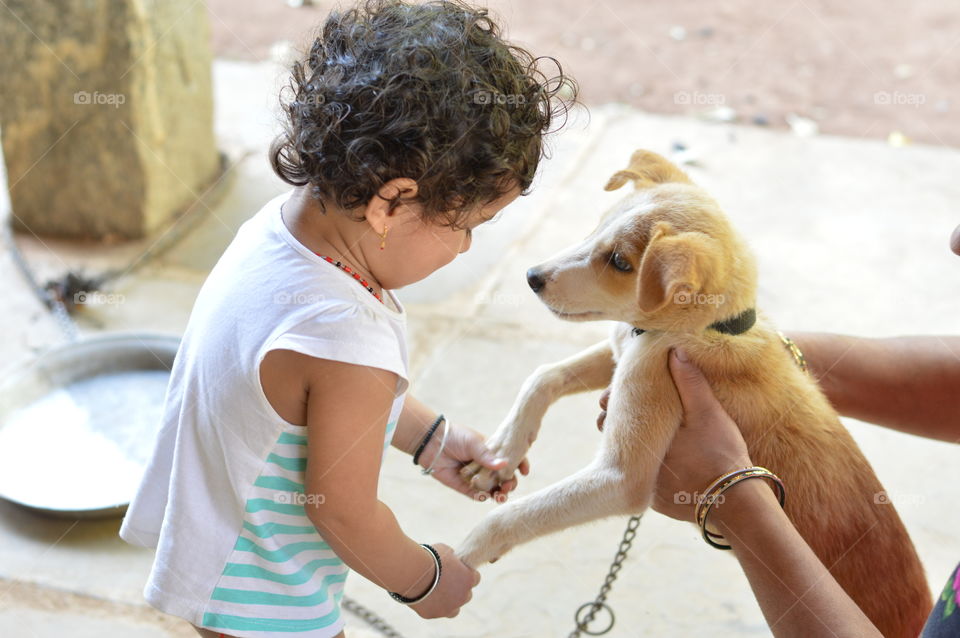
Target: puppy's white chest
[(622, 339)]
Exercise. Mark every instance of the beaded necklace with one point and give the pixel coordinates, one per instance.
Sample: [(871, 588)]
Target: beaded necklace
[(349, 271)]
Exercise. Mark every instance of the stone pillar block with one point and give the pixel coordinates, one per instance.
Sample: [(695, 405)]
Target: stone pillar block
[(106, 113)]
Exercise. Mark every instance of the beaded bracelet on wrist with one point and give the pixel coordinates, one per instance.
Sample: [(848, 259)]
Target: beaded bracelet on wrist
[(426, 439), (443, 443)]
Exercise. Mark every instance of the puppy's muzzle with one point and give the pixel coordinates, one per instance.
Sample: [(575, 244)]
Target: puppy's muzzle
[(536, 280)]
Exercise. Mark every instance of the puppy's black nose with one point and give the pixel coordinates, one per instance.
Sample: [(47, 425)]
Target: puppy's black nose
[(535, 279)]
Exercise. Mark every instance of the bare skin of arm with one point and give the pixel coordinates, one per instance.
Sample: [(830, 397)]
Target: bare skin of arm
[(797, 594), (905, 383), (347, 410)]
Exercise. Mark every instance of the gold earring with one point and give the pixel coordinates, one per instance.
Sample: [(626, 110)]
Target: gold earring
[(383, 238)]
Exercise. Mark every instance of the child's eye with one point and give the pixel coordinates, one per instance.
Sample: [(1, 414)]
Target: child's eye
[(621, 264)]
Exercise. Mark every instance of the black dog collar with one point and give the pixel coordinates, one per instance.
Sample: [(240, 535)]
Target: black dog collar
[(733, 326)]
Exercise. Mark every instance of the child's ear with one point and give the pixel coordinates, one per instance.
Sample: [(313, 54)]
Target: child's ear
[(647, 169), (675, 267), (378, 211)]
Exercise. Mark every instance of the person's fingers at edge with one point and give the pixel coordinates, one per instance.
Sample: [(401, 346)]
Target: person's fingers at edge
[(695, 393), (605, 399)]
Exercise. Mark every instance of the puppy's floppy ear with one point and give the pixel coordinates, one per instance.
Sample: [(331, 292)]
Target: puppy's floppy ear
[(675, 266), (647, 169)]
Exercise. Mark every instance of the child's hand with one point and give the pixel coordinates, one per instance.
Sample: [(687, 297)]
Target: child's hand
[(457, 579), (463, 446)]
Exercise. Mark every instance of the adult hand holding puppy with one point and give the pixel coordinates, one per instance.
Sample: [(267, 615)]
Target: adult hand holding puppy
[(706, 445), (774, 557)]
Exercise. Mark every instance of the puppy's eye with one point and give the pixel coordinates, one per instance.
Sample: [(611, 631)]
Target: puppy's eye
[(621, 264)]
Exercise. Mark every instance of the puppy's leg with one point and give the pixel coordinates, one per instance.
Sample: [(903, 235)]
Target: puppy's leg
[(642, 418), (592, 493), (591, 369)]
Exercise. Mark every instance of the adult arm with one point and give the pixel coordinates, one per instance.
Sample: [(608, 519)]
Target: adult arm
[(911, 384), (797, 594)]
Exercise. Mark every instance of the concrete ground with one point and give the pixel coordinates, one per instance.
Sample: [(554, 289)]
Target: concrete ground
[(851, 236)]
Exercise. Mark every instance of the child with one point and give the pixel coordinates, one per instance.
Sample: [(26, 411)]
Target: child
[(409, 126)]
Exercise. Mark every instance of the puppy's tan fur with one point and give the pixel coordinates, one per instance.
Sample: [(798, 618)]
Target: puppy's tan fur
[(687, 270)]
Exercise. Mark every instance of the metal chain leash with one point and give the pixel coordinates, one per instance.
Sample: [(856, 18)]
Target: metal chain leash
[(369, 617), (54, 295), (62, 295), (600, 601)]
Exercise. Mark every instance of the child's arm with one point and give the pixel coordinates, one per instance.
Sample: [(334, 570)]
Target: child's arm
[(347, 410), (415, 419)]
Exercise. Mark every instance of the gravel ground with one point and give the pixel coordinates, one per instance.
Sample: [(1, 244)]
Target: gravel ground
[(856, 68)]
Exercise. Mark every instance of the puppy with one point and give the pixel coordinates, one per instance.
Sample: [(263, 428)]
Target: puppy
[(666, 264)]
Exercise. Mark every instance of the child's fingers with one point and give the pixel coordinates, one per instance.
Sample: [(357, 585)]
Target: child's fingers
[(508, 486), (524, 466)]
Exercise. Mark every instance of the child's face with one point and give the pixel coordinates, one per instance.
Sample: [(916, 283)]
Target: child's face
[(415, 249)]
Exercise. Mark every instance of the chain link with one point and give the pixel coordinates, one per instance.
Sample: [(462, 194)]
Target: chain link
[(600, 601), (369, 617)]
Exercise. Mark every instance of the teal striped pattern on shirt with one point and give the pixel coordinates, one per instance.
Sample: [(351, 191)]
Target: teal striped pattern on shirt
[(281, 577)]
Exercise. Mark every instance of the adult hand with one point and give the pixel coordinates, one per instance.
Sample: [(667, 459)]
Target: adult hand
[(706, 445)]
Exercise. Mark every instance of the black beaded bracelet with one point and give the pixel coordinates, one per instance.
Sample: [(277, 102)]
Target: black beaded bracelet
[(436, 579), (433, 428)]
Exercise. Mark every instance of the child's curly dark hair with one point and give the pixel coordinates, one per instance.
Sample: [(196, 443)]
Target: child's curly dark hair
[(426, 91)]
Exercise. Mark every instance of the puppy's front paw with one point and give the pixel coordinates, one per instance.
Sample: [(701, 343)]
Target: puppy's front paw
[(484, 479), (485, 544)]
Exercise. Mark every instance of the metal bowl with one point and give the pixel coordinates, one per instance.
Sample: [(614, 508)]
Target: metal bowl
[(77, 426)]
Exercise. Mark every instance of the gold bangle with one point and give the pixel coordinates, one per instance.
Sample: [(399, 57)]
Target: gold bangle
[(706, 494), (728, 481), (794, 350)]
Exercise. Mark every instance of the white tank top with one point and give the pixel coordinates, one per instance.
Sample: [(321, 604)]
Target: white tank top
[(222, 498)]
